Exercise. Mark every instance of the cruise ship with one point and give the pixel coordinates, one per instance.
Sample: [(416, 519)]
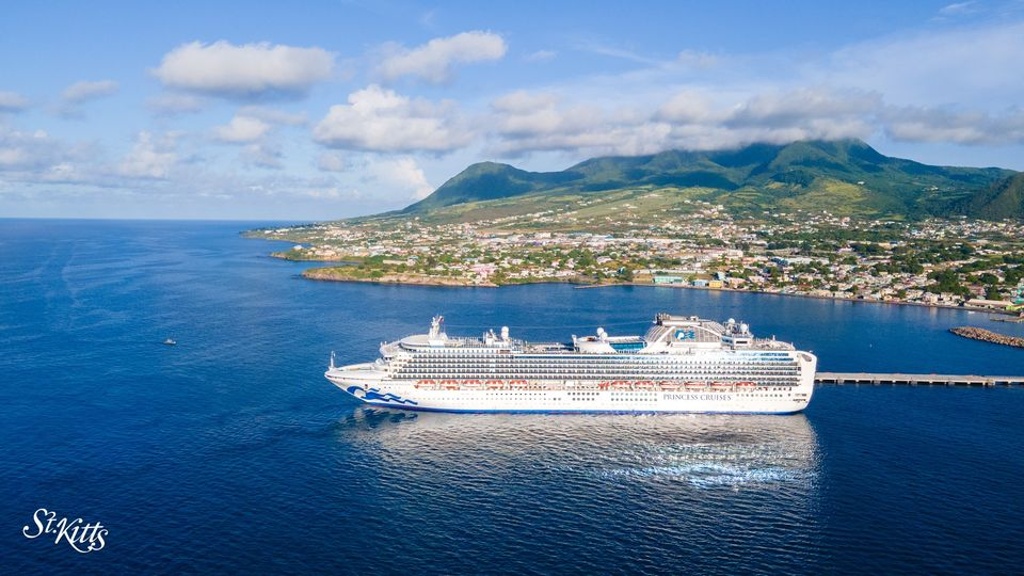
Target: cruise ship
[(682, 364)]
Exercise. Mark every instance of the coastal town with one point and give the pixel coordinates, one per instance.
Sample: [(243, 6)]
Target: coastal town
[(963, 262)]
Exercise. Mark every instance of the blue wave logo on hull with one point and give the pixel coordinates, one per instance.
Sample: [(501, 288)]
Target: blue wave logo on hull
[(374, 394)]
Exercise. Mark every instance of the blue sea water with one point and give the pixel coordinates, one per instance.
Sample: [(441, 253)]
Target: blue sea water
[(230, 453)]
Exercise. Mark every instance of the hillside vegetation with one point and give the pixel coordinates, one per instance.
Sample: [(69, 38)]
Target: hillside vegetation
[(847, 178)]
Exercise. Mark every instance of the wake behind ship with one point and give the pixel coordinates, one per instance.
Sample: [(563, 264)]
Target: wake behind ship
[(682, 364)]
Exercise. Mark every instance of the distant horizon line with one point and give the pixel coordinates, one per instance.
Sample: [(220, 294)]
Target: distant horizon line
[(159, 219)]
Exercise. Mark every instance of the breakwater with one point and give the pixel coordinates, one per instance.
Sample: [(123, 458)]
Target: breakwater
[(987, 336)]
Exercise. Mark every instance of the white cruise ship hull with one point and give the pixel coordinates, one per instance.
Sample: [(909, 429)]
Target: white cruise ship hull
[(665, 372), (767, 401), (372, 386)]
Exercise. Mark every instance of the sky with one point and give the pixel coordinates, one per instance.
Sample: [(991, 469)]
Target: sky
[(319, 110)]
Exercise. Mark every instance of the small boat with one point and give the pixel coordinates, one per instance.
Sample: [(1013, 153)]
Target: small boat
[(170, 342)]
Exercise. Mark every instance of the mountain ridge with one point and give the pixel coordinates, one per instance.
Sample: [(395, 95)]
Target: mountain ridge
[(844, 176)]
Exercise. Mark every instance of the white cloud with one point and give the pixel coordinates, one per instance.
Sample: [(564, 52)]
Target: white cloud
[(524, 113), (254, 128), (692, 106), (959, 9), (332, 161), (971, 64), (39, 157), (174, 104), (272, 116), (525, 122), (74, 96), (28, 151), (527, 115), (909, 124), (542, 56), (691, 119), (950, 85), (150, 157), (88, 90), (13, 156), (434, 60), (617, 52), (695, 59), (402, 175), (241, 129), (263, 155), (63, 172), (247, 71), (252, 123), (12, 102), (804, 108), (380, 120)]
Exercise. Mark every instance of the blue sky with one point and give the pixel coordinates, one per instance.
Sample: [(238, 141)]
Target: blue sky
[(319, 110)]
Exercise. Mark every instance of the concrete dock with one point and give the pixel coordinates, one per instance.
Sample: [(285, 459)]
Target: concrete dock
[(916, 379)]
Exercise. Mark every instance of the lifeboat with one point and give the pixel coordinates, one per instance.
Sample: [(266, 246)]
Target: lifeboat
[(644, 384), (695, 384), (494, 384), (450, 384), (517, 383), (472, 384), (667, 385), (745, 384)]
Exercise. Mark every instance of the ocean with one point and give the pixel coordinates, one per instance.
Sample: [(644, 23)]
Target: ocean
[(230, 453)]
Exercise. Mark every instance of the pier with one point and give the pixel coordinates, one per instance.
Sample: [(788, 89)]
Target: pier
[(897, 379)]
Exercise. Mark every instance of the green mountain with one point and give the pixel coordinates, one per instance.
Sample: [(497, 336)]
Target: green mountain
[(845, 177), (489, 181), (1004, 197)]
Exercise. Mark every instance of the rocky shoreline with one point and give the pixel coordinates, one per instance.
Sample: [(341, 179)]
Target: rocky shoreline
[(343, 274), (332, 275), (988, 336)]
